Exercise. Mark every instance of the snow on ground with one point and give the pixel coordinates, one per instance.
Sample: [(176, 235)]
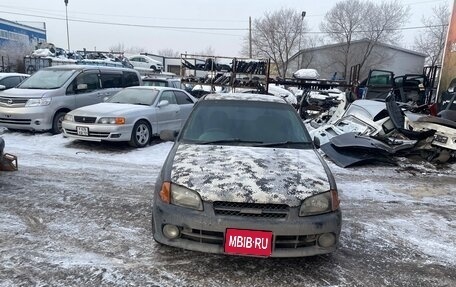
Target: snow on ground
[(78, 214)]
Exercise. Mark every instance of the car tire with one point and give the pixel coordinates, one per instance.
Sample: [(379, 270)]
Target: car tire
[(57, 123), (141, 134)]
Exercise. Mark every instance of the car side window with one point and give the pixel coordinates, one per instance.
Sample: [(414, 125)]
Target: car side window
[(176, 84), (131, 79), (88, 78), (109, 80), (10, 82), (182, 98), (168, 96), (135, 59)]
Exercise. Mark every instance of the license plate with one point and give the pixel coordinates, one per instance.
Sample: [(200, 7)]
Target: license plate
[(82, 131), (248, 242)]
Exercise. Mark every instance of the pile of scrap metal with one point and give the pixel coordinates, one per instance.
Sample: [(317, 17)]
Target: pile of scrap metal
[(8, 162), (372, 130)]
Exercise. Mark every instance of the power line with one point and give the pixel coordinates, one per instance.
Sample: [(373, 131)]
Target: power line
[(182, 28), (132, 25), (123, 15)]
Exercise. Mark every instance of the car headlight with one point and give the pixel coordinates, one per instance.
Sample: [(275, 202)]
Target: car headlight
[(112, 121), (320, 203), (38, 102), (181, 196), (69, 118)]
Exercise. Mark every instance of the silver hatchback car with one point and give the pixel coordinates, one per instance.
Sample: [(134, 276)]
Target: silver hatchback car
[(244, 178)]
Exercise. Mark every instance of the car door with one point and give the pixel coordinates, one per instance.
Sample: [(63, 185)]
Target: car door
[(168, 115), (86, 89), (378, 85), (185, 103)]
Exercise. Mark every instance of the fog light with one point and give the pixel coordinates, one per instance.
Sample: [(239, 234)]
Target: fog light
[(171, 231), (37, 122), (326, 240), (115, 136)]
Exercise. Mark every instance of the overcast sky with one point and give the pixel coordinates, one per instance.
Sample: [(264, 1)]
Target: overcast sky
[(100, 33)]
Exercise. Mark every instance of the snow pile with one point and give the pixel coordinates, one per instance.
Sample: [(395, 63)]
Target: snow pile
[(306, 74)]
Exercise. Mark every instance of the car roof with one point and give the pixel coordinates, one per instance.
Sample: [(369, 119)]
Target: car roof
[(244, 97), (3, 74), (87, 67), (159, 88)]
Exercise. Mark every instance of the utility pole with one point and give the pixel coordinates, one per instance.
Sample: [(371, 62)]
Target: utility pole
[(250, 37), (68, 33), (303, 14)]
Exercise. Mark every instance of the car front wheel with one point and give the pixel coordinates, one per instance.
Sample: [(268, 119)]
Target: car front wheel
[(141, 134), (57, 123)]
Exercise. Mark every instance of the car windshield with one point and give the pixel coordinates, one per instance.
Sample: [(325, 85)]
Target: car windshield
[(156, 83), (246, 123), (134, 96), (47, 79)]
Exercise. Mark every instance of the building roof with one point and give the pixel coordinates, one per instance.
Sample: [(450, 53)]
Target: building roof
[(23, 26), (357, 42)]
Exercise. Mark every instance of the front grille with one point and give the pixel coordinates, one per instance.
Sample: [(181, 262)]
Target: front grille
[(280, 241), (251, 209), (202, 236), (4, 101), (87, 120), (91, 134), (15, 121)]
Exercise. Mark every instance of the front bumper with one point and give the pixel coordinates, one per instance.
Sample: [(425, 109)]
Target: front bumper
[(204, 231), (98, 132), (26, 118)]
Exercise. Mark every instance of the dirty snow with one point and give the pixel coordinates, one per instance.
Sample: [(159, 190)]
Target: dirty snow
[(78, 214)]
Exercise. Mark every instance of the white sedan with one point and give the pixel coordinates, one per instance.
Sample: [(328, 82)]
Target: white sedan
[(134, 114)]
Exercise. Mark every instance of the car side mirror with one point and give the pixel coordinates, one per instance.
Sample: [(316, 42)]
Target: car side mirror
[(316, 142), (168, 135), (2, 88), (163, 103), (81, 87)]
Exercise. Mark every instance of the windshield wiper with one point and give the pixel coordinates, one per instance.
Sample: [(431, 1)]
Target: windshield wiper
[(285, 143), (142, 104), (230, 140)]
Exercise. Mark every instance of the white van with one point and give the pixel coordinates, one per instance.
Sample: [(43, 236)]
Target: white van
[(41, 101)]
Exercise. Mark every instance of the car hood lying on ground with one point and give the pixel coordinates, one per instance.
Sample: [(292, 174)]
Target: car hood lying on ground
[(249, 174), (109, 109)]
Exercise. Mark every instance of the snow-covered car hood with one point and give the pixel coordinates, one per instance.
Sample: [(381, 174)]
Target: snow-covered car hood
[(249, 174), (109, 109), (24, 93)]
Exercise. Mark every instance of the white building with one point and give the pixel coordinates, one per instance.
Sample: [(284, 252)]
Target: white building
[(328, 60)]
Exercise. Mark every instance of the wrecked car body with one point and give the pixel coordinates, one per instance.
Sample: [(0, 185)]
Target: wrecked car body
[(365, 117)]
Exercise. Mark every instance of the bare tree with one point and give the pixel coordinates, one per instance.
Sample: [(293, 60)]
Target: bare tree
[(120, 47), (208, 51), (351, 20), (168, 52), (432, 41), (276, 36)]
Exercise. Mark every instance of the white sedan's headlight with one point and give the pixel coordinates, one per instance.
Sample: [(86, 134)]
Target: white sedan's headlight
[(112, 121), (69, 118), (38, 102), (320, 203), (185, 197)]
